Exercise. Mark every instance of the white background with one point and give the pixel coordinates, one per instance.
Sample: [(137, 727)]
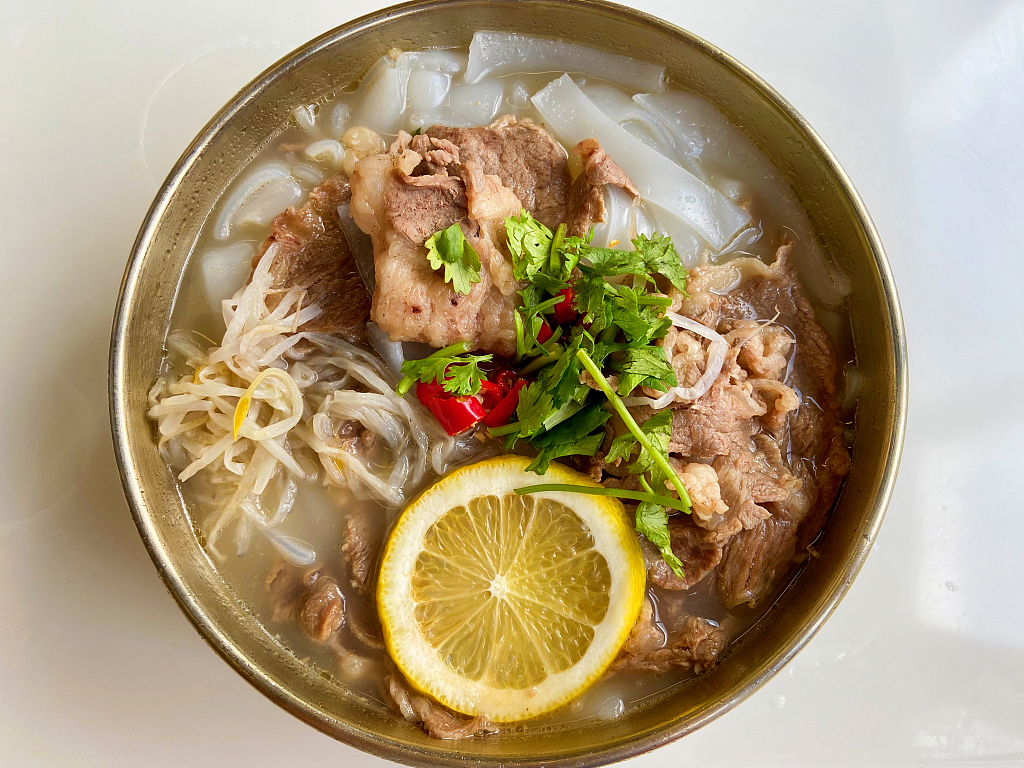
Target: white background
[(922, 664)]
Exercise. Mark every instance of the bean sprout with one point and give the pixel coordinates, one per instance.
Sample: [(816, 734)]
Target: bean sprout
[(274, 405)]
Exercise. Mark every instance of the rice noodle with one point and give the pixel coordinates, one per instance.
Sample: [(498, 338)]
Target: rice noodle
[(257, 199), (716, 358), (574, 117), (502, 53)]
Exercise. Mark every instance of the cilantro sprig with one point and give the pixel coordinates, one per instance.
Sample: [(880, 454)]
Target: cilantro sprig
[(449, 248), (458, 372)]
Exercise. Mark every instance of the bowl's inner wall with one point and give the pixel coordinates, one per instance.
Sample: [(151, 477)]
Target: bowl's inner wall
[(322, 68)]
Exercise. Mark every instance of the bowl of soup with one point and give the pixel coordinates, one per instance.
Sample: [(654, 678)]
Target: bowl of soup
[(508, 382)]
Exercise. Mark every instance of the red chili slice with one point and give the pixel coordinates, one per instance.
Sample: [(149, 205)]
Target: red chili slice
[(427, 392), (454, 414), (501, 414), (544, 333), (505, 378), (491, 394), (457, 414), (564, 312)]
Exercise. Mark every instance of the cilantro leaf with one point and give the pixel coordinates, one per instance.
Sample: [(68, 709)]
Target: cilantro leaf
[(534, 406), (658, 429), (593, 297), (529, 242), (652, 524), (643, 367), (562, 379), (459, 374), (639, 315), (655, 254), (571, 437), (449, 248), (659, 254)]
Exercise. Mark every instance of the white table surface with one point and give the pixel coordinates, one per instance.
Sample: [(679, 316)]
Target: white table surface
[(922, 664)]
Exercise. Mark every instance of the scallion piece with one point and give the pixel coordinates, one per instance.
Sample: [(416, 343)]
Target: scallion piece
[(638, 433), (619, 493)]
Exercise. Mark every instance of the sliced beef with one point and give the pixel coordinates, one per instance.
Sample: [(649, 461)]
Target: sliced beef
[(704, 489), (524, 156), (360, 545), (697, 549), (586, 195), (284, 585), (313, 254), (311, 598), (749, 478), (754, 558), (436, 720), (399, 211), (718, 420), (419, 206), (320, 609), (698, 645)]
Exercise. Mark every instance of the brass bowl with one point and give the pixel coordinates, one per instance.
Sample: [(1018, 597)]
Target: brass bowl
[(260, 112)]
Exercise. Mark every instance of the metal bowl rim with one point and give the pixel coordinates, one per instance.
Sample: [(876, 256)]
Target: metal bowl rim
[(223, 645)]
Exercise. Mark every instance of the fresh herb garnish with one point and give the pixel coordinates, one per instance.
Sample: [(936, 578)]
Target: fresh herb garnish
[(458, 372), (571, 437), (449, 248), (643, 367), (652, 524), (617, 329), (654, 254), (659, 458), (588, 490)]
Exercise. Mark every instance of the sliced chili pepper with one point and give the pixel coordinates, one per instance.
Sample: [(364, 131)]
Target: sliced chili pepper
[(491, 394), (505, 378), (564, 312), (454, 414), (502, 412), (544, 333), (427, 392), (457, 414)]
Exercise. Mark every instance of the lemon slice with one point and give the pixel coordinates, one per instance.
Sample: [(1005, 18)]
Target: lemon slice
[(504, 605)]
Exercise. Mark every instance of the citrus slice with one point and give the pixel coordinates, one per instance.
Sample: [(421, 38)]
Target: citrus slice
[(505, 605)]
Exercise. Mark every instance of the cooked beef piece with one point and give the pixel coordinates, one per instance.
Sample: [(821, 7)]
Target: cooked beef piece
[(399, 211), (697, 645), (283, 585), (647, 634), (433, 718), (524, 156), (592, 466), (586, 195), (438, 154), (359, 545), (764, 348), (313, 599), (315, 255), (718, 420), (703, 487), (697, 549), (778, 291), (320, 609), (748, 479), (753, 559)]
